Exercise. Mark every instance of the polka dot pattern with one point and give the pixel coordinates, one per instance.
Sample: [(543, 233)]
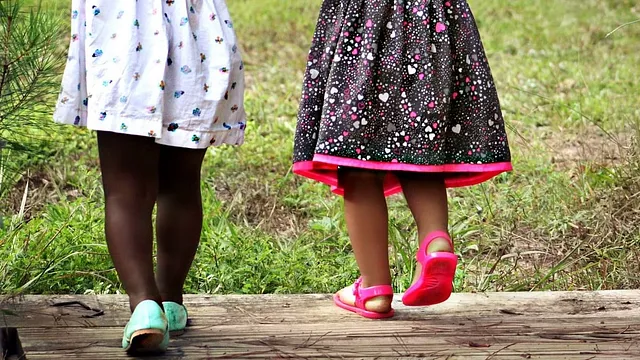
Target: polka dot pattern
[(399, 82)]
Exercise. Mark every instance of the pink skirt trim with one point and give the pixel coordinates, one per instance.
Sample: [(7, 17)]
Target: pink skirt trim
[(324, 168)]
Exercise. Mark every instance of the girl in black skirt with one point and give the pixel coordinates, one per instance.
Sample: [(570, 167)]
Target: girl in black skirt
[(398, 97)]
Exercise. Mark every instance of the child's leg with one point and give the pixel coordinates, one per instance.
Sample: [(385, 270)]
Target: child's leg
[(367, 222), (179, 218), (129, 174), (426, 196)]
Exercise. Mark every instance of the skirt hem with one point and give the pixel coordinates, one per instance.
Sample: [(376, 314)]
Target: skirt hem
[(324, 169), (153, 128)]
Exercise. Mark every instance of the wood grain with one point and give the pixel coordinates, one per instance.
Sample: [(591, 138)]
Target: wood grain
[(558, 325)]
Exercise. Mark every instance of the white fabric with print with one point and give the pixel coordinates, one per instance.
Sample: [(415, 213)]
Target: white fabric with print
[(168, 69)]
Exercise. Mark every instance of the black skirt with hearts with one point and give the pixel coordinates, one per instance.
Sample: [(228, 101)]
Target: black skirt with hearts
[(399, 86)]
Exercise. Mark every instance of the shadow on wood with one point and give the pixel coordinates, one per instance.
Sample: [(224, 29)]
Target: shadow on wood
[(10, 345)]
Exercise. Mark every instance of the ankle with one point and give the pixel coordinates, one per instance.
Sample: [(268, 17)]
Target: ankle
[(176, 298), (368, 282), (170, 292), (135, 300)]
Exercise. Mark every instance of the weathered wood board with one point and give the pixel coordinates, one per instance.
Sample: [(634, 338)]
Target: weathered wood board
[(561, 325)]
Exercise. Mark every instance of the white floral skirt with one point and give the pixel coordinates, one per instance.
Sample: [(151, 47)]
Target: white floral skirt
[(168, 69)]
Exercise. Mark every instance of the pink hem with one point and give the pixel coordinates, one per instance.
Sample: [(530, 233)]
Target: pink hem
[(324, 168)]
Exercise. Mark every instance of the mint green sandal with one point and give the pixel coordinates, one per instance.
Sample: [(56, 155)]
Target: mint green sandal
[(147, 332), (177, 316)]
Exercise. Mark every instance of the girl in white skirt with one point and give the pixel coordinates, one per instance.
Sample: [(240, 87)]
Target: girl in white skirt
[(160, 81)]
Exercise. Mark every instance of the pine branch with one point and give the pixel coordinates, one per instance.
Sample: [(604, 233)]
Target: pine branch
[(30, 59), (5, 62)]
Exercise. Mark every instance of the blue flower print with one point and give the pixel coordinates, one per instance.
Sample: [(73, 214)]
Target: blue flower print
[(197, 112), (178, 94)]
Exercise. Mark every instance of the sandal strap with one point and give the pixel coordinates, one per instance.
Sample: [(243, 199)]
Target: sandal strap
[(438, 234), (365, 294)]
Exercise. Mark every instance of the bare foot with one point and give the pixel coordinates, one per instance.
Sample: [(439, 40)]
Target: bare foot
[(380, 304), (437, 245)]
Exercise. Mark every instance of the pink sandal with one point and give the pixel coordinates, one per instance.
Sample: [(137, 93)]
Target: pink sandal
[(362, 296), (435, 283)]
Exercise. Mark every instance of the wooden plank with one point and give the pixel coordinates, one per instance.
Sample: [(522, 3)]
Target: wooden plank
[(600, 325), (216, 310)]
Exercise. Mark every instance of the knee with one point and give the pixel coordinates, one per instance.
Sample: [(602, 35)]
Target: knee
[(132, 194), (179, 184)]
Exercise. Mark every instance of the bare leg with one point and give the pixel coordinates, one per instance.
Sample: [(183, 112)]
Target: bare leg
[(179, 218), (367, 221), (427, 198), (129, 174)]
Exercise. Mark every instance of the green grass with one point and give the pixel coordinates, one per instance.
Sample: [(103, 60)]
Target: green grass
[(566, 218)]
